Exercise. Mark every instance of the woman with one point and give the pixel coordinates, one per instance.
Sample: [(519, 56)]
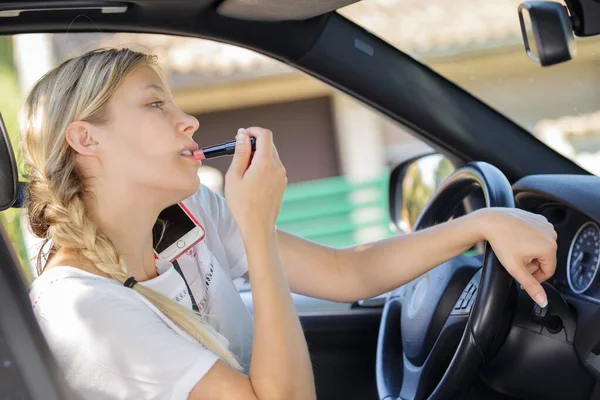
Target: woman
[(102, 142)]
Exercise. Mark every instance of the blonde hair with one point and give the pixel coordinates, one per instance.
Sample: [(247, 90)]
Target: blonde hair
[(78, 90)]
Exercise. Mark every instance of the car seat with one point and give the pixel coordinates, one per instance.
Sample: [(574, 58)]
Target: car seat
[(27, 368)]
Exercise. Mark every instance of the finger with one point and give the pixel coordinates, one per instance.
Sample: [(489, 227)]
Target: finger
[(275, 153), (538, 273), (264, 141), (547, 228), (528, 216), (541, 222), (533, 288), (541, 276), (547, 264), (241, 157), (532, 267), (543, 225)]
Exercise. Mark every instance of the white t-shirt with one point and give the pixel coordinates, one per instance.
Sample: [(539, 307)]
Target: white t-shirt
[(111, 343)]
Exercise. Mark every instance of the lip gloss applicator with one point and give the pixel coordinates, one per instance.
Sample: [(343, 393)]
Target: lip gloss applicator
[(219, 150)]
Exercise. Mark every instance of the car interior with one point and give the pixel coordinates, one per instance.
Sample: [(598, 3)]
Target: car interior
[(465, 330)]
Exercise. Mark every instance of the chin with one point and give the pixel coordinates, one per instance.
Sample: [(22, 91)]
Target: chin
[(191, 187), (181, 189)]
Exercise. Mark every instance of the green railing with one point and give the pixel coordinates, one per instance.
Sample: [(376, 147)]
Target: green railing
[(336, 212)]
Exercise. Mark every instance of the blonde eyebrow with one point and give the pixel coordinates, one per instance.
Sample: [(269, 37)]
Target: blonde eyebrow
[(154, 86)]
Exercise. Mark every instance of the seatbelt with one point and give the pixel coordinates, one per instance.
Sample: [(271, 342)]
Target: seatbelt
[(178, 269)]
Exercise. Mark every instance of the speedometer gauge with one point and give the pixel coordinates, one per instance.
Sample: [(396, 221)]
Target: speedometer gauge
[(584, 257)]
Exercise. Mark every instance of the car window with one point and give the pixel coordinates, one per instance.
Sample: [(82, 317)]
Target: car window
[(337, 152), (478, 46)]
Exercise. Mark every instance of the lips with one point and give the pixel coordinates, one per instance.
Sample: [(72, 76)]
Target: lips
[(188, 152), (188, 149)]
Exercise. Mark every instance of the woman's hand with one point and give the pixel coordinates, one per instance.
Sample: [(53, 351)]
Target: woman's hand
[(524, 243), (254, 184)]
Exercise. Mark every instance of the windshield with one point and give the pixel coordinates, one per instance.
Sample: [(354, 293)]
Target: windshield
[(478, 46)]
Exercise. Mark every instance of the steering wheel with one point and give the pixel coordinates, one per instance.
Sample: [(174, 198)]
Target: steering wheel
[(462, 301)]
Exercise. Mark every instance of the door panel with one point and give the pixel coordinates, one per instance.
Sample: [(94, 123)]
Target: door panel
[(342, 349), (342, 339)]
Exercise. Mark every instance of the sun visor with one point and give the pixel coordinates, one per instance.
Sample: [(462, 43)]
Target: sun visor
[(279, 10)]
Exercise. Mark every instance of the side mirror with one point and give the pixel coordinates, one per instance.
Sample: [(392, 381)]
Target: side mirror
[(547, 32), (411, 185), (8, 170)]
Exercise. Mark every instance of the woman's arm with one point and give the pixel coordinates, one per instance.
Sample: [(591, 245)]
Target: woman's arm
[(280, 366), (524, 243)]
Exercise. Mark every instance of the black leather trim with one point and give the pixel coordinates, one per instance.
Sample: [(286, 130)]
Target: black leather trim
[(8, 170)]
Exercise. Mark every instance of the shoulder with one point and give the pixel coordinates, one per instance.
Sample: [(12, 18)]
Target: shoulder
[(69, 295), (76, 309), (105, 335)]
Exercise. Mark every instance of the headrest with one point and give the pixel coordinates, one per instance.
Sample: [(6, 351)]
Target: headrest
[(9, 182)]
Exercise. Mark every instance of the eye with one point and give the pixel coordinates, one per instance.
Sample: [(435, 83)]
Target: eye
[(157, 104)]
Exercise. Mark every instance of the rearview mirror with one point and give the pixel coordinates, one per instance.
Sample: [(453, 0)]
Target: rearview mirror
[(412, 183), (547, 32)]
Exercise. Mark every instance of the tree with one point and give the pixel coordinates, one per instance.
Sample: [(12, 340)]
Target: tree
[(415, 194), (443, 170), (9, 107)]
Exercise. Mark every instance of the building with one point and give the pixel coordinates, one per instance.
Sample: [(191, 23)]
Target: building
[(321, 133)]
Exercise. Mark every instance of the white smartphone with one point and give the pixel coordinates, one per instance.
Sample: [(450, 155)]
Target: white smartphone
[(181, 232)]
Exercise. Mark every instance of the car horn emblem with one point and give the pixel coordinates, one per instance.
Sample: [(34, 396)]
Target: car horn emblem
[(418, 296)]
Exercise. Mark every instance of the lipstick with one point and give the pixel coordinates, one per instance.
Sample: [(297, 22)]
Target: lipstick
[(220, 150)]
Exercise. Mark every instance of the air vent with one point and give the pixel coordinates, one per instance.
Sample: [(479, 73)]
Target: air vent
[(554, 213)]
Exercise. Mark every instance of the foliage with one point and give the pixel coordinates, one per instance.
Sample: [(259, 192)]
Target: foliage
[(9, 107), (416, 192), (443, 170)]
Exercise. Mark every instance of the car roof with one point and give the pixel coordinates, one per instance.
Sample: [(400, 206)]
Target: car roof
[(256, 10)]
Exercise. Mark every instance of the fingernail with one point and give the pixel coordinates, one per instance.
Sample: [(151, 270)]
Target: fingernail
[(241, 138), (541, 299), (240, 131)]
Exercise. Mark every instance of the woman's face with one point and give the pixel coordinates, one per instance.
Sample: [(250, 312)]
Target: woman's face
[(145, 135)]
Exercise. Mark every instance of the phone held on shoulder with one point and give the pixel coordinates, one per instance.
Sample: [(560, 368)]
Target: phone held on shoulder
[(175, 232)]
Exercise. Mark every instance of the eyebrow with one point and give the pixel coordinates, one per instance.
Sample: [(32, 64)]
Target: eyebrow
[(154, 86)]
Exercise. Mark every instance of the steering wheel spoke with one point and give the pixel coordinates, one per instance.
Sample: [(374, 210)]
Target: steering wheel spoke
[(419, 381)]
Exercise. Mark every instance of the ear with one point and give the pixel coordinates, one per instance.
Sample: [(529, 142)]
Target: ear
[(80, 137)]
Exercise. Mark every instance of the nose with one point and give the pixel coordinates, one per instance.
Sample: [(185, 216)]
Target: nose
[(188, 124)]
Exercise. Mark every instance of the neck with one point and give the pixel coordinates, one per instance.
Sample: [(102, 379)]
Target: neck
[(127, 218)]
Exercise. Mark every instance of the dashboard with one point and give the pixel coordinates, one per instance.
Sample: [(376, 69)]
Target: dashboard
[(561, 342), (572, 204)]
